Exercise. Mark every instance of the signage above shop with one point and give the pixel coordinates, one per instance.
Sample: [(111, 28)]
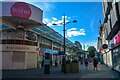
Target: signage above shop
[(20, 9), (16, 13), (117, 38), (104, 46), (19, 48), (31, 36)]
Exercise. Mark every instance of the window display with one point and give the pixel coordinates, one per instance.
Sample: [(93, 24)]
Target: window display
[(116, 59)]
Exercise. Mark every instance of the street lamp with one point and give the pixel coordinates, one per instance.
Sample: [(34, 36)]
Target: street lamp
[(63, 60)]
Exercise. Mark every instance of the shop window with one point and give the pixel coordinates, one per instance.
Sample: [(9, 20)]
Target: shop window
[(4, 41), (34, 44), (116, 59)]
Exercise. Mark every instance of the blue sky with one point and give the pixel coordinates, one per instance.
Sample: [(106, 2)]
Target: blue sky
[(87, 15)]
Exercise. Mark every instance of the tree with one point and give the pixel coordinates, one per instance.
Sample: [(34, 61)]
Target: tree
[(75, 52), (91, 50)]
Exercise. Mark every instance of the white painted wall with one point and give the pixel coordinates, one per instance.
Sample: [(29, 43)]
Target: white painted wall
[(109, 59), (31, 60), (6, 60)]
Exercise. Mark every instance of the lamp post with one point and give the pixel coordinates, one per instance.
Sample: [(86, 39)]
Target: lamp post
[(64, 46)]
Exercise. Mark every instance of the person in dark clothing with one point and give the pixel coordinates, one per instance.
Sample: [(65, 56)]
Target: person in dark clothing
[(56, 62), (86, 63), (42, 65), (95, 63), (81, 60)]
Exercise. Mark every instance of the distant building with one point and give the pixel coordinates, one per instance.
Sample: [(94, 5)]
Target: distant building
[(78, 44), (80, 47)]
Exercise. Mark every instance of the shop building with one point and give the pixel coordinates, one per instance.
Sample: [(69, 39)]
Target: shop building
[(19, 45), (25, 39), (51, 42), (111, 12)]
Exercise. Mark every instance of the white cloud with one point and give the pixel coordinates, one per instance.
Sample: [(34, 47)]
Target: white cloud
[(58, 22), (49, 24), (46, 20), (65, 17), (55, 19), (69, 17), (73, 32)]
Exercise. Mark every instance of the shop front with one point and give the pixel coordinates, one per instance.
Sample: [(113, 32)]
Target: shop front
[(19, 45), (116, 52), (19, 49), (54, 56)]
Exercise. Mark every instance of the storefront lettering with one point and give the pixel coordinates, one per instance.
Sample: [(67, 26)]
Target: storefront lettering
[(20, 9), (17, 47)]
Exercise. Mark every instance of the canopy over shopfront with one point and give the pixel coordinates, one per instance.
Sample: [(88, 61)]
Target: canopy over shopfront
[(51, 34), (46, 50), (21, 15)]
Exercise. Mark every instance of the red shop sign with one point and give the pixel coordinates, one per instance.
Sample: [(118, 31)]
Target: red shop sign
[(117, 38), (21, 9)]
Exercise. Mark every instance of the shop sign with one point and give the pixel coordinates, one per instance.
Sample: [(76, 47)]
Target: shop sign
[(117, 38), (19, 48), (31, 36), (104, 46), (20, 9)]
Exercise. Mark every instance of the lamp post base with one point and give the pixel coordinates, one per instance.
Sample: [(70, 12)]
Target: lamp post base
[(63, 65)]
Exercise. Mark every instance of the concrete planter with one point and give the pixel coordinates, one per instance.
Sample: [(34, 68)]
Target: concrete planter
[(67, 68), (74, 67)]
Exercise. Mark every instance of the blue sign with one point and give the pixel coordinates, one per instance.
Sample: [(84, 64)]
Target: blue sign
[(46, 50)]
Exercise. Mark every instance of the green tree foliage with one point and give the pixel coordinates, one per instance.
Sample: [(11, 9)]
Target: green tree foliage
[(91, 50), (75, 50)]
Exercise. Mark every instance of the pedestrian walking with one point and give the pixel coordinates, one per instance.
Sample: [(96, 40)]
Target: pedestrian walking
[(86, 63), (42, 65), (56, 62), (81, 60), (95, 63)]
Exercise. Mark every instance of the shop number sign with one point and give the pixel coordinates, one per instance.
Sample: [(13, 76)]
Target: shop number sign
[(20, 9)]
